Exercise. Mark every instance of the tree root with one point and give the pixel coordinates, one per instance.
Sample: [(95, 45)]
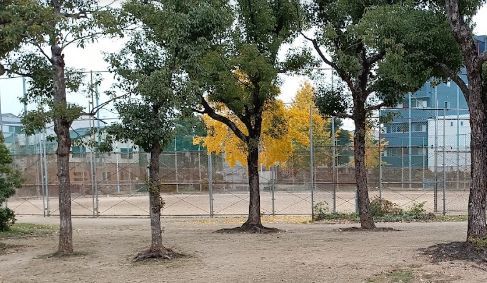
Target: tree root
[(163, 254), (250, 229)]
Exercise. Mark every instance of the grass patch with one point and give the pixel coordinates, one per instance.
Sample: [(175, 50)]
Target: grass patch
[(384, 211), (399, 275), (28, 230)]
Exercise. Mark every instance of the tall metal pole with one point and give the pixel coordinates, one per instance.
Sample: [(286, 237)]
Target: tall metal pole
[(199, 167), (410, 142), (311, 162), (458, 138), (334, 163), (380, 160), (273, 188), (24, 92), (402, 164), (210, 182), (444, 159), (41, 177), (176, 163), (46, 176), (424, 160), (117, 171), (435, 193)]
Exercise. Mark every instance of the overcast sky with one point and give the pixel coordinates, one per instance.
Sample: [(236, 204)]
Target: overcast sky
[(91, 58)]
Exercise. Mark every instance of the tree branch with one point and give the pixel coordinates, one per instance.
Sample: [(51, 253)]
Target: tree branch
[(376, 57), (207, 109), (95, 110), (375, 107), (456, 78)]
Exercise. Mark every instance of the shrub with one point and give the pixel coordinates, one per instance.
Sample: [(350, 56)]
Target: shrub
[(7, 218), (380, 207), (320, 210), (9, 180)]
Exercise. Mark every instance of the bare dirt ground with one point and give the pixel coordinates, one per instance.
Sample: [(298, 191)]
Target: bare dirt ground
[(305, 253)]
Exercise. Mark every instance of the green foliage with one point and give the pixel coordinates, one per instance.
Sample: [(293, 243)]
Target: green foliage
[(320, 210), (9, 180), (382, 210), (380, 50), (7, 219), (18, 230), (151, 78), (29, 28)]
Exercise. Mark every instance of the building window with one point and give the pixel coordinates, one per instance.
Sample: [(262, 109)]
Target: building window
[(418, 127), (15, 129), (399, 128), (419, 103), (418, 151), (78, 151), (126, 152), (393, 151)]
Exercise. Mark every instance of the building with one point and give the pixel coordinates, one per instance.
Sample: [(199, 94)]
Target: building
[(407, 127), (449, 140)]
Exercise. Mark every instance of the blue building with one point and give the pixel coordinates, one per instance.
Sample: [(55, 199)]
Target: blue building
[(406, 126)]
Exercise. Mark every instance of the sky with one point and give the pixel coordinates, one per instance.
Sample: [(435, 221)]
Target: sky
[(91, 58)]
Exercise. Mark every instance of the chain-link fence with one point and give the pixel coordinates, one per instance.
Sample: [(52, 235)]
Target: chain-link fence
[(114, 184), (414, 154)]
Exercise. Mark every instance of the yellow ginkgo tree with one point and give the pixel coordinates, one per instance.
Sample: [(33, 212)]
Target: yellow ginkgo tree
[(285, 131)]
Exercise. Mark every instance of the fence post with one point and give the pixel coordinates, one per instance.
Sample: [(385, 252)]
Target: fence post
[(46, 177), (273, 185), (444, 158), (210, 182), (380, 159), (311, 161), (435, 193), (334, 165)]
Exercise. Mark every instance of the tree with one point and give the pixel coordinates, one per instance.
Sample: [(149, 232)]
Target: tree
[(17, 19), (459, 15), (453, 48), (148, 75), (285, 131), (65, 23), (374, 71), (240, 72), (9, 180)]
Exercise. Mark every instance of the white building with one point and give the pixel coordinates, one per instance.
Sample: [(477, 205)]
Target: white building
[(449, 142)]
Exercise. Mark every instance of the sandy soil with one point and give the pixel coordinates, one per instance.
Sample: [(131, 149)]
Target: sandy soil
[(305, 253)]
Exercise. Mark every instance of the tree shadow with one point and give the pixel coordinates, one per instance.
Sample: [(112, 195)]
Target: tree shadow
[(464, 251)]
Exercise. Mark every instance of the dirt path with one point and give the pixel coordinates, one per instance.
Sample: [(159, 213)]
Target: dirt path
[(305, 253)]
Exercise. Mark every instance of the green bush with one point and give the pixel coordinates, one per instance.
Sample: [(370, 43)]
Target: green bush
[(320, 210), (7, 218), (380, 207), (9, 180)]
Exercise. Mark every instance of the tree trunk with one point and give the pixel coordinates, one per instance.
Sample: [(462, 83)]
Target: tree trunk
[(253, 172), (155, 200), (61, 128), (366, 220), (477, 197), (477, 106)]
